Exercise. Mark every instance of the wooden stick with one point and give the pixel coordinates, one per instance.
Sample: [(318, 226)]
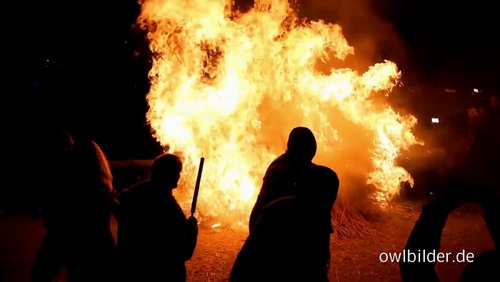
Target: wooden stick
[(197, 187)]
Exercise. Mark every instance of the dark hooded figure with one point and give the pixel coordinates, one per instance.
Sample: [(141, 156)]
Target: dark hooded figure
[(155, 238), (290, 240), (287, 170), (79, 236)]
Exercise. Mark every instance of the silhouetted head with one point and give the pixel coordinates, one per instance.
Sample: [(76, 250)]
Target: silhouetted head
[(301, 144), (166, 171)]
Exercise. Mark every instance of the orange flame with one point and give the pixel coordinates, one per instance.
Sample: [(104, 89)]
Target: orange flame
[(229, 86)]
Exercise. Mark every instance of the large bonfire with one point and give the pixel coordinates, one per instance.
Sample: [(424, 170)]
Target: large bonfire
[(229, 86)]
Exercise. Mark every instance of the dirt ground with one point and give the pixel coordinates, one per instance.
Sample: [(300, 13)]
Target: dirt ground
[(353, 259)]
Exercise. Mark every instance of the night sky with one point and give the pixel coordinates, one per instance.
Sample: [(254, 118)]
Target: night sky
[(456, 41), (87, 67)]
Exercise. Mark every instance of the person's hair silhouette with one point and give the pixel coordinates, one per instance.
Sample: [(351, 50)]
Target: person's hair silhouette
[(78, 236)]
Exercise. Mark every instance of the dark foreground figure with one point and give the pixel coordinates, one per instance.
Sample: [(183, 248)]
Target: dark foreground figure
[(426, 234), (154, 237), (76, 203), (291, 238)]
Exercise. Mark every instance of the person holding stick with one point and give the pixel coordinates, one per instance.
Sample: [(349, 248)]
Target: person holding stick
[(155, 238)]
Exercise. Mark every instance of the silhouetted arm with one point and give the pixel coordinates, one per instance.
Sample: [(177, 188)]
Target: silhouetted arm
[(256, 210), (265, 197), (190, 237)]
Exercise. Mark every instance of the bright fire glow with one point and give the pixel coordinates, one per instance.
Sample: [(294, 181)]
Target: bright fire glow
[(230, 86)]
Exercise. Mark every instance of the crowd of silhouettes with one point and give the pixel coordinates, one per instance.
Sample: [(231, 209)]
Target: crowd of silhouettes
[(290, 225), (76, 200)]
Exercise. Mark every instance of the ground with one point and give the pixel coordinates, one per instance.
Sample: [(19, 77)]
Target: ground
[(353, 258)]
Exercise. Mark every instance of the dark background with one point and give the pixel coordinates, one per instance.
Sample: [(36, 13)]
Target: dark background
[(86, 67), (87, 72)]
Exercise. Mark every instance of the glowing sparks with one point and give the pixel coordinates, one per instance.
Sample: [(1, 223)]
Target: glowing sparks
[(230, 86)]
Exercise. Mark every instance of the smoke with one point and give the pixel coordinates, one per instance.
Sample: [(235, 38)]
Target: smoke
[(373, 37), (371, 28), (434, 72)]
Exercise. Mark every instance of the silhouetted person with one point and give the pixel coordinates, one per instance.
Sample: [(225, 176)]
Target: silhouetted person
[(154, 237), (291, 238), (426, 234), (78, 230), (284, 172)]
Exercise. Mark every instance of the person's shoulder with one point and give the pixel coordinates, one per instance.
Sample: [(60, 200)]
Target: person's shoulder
[(280, 164), (326, 172), (279, 161)]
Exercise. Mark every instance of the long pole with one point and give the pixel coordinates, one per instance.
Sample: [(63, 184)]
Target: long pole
[(197, 187)]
